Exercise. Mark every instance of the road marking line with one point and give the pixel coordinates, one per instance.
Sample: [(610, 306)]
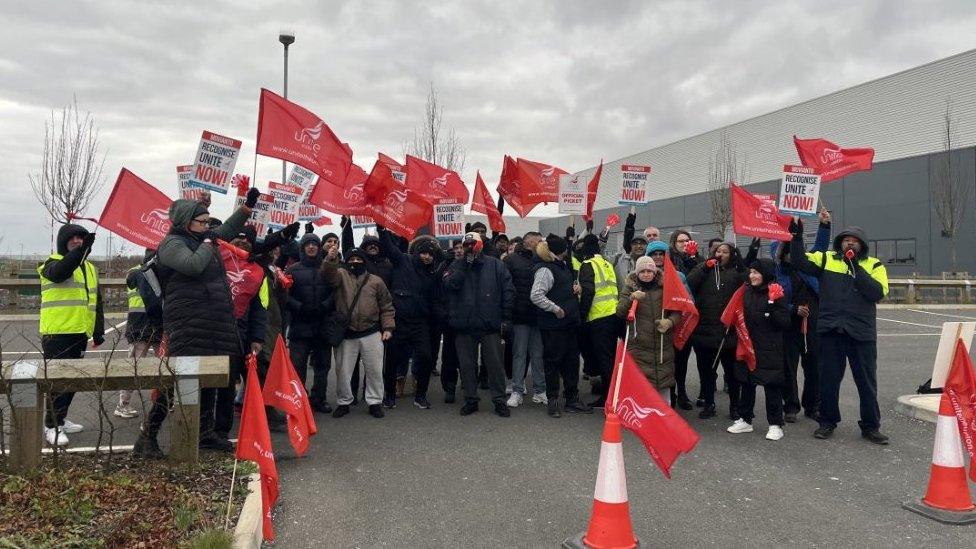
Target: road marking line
[(39, 353), (941, 314), (909, 323), (907, 335)]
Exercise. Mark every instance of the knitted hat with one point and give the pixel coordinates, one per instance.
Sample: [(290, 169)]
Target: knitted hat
[(645, 262), (557, 244), (657, 246)]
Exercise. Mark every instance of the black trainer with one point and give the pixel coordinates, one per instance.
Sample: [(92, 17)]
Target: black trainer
[(340, 410), (684, 403), (578, 407), (212, 441), (501, 410), (598, 403), (321, 407), (707, 412), (700, 403), (469, 408), (823, 433), (789, 417), (376, 410), (553, 408), (875, 436), (449, 398), (146, 447), (421, 402)]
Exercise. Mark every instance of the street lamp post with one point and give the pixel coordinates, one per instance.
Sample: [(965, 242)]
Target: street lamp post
[(286, 38)]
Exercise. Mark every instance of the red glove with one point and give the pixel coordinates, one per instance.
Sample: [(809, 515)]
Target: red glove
[(775, 291), (632, 313), (711, 263), (691, 248), (849, 254)]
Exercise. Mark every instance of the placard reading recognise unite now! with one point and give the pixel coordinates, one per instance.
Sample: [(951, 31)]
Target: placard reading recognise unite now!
[(800, 191)]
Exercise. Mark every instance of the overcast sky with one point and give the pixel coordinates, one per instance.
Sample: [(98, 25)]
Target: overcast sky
[(562, 82)]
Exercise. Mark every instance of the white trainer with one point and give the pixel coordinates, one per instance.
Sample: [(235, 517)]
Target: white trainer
[(126, 411), (740, 426), (514, 400), (775, 432), (55, 437), (540, 398), (71, 427)]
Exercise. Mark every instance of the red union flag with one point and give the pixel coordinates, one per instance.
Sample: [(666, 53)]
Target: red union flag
[(288, 131), (830, 160), (510, 188), (753, 216), (677, 298), (399, 209), (591, 189), (254, 443), (398, 169), (482, 202), (665, 434), (136, 211), (346, 199), (960, 389), (544, 181), (284, 391), (432, 181), (735, 313)]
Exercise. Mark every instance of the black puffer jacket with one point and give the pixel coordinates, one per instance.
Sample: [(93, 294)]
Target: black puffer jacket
[(713, 288), (481, 295), (413, 283), (310, 299), (521, 265), (766, 323), (198, 314)]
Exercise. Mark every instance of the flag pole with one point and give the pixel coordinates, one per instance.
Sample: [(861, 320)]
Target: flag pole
[(230, 497), (623, 356), (661, 348)]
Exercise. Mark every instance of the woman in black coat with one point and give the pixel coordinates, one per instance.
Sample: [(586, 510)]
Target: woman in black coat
[(767, 318)]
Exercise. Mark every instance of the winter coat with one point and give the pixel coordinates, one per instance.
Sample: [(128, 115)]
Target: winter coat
[(147, 325), (198, 313), (277, 316), (310, 299), (684, 263), (552, 287), (412, 283), (713, 288), (766, 323), (481, 295), (644, 341), (374, 310), (521, 265), (59, 270)]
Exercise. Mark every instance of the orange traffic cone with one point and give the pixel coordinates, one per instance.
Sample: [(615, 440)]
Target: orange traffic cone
[(610, 526), (947, 499)]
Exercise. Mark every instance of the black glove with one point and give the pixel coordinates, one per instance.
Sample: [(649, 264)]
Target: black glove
[(309, 228), (291, 231), (252, 197), (343, 221), (87, 241), (380, 228), (98, 339), (589, 226), (570, 232)]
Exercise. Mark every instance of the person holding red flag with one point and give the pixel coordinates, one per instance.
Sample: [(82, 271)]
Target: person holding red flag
[(653, 353), (766, 317), (657, 250)]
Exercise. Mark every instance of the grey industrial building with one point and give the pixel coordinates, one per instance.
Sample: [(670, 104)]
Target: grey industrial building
[(901, 116)]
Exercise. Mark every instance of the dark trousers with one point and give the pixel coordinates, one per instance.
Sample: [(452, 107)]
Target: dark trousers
[(561, 359), (224, 405), (409, 339), (160, 409), (598, 345), (796, 355), (705, 356), (449, 363), (774, 403), (61, 346), (491, 353), (835, 350), (681, 357), (320, 352)]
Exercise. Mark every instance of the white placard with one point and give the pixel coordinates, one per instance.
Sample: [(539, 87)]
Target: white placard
[(633, 185), (304, 178), (261, 214), (183, 176), (284, 210), (800, 191), (449, 220), (572, 194), (214, 162)]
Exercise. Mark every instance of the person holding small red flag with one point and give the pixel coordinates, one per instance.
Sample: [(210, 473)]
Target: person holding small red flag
[(766, 317)]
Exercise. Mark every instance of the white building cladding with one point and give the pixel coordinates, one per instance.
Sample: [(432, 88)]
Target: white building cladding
[(900, 115)]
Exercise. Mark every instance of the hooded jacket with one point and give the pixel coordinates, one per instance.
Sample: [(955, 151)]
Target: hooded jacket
[(800, 288), (766, 321), (644, 341), (198, 316), (480, 295), (310, 299), (374, 309), (59, 270), (849, 290), (713, 288), (521, 266), (413, 284)]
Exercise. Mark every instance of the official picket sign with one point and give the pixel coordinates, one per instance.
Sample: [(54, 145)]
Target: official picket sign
[(800, 191), (183, 174), (215, 161), (261, 214), (572, 194), (303, 178), (448, 219), (284, 209), (633, 184)]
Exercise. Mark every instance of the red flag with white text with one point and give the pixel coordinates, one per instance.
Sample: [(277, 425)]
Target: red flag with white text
[(434, 182), (483, 203), (735, 313), (290, 132), (677, 298), (284, 390), (830, 160), (752, 216), (136, 211), (511, 188), (665, 434), (960, 389), (398, 169), (347, 199), (254, 443), (591, 190), (397, 208), (543, 181)]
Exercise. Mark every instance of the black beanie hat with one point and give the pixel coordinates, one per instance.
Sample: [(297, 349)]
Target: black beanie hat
[(557, 244)]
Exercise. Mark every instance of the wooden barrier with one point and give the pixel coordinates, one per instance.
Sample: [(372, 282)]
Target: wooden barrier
[(27, 381)]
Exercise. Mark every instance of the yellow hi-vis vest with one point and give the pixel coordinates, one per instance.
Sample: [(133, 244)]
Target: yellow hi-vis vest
[(68, 307), (605, 279), (136, 304)]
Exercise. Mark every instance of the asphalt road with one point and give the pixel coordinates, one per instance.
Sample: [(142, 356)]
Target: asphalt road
[(430, 478)]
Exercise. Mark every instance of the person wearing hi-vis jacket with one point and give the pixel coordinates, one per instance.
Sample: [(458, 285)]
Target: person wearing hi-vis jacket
[(851, 284)]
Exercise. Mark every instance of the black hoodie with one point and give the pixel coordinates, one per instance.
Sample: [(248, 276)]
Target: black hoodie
[(413, 284), (59, 270)]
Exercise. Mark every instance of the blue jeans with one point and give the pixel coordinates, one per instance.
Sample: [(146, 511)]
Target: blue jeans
[(527, 349)]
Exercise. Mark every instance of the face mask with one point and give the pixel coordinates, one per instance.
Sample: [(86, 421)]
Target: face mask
[(357, 268)]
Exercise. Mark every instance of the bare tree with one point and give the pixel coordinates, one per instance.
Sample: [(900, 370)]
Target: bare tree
[(950, 190), (431, 143), (71, 170), (724, 167)]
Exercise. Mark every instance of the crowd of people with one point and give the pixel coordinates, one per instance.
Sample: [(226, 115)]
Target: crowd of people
[(506, 316)]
